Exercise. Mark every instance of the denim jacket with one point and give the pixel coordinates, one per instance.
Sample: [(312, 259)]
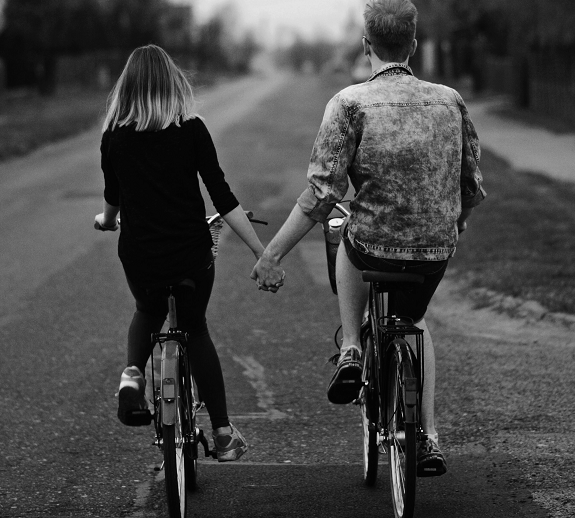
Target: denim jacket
[(410, 151)]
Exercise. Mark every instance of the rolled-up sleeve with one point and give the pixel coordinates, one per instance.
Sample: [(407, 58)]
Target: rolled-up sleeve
[(472, 192), (333, 152)]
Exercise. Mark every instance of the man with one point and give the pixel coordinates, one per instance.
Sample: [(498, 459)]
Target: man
[(411, 153)]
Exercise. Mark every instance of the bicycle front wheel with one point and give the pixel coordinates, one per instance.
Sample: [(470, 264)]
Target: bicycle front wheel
[(175, 470), (178, 458), (369, 406), (401, 419)]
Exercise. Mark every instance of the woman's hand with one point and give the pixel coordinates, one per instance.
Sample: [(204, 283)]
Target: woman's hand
[(268, 274), (100, 223)]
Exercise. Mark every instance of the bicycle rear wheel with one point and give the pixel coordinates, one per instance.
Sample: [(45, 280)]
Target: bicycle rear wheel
[(369, 406), (401, 419), (191, 447)]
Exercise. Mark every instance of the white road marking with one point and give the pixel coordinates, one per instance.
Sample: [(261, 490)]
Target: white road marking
[(254, 371)]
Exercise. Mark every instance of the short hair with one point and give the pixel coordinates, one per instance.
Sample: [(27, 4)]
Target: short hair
[(151, 92), (390, 27)]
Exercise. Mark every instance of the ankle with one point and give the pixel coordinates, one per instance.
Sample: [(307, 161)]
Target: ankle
[(347, 347), (224, 430)]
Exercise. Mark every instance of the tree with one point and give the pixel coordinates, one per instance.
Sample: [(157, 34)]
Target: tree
[(36, 32)]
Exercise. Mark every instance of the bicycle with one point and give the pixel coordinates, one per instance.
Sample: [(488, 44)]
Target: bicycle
[(391, 387), (175, 403)]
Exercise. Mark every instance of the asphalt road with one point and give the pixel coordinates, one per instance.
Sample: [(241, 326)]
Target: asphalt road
[(64, 314)]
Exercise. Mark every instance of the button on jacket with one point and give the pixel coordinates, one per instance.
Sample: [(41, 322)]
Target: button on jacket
[(410, 151)]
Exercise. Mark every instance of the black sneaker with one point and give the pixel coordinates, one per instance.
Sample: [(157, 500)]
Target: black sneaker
[(132, 404), (430, 460), (346, 382)]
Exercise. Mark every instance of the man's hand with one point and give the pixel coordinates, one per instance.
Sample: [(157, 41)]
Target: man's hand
[(268, 274)]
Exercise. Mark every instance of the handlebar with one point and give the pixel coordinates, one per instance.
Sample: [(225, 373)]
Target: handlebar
[(344, 212), (211, 220)]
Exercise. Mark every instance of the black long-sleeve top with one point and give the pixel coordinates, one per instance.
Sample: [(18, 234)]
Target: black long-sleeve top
[(153, 177)]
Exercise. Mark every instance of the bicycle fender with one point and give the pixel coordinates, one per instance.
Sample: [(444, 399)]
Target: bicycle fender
[(410, 399), (169, 377), (402, 350)]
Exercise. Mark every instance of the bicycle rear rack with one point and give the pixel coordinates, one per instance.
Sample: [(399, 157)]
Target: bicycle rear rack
[(399, 327)]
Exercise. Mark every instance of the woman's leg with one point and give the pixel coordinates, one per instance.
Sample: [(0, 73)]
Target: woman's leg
[(150, 315), (191, 305)]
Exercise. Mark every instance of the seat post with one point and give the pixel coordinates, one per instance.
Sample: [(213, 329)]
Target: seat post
[(390, 302), (172, 310)]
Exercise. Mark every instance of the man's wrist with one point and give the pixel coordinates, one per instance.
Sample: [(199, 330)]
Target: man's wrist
[(270, 257)]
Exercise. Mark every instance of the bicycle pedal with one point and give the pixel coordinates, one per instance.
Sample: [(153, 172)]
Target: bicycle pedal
[(201, 438)]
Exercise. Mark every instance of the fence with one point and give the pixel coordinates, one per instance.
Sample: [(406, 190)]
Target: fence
[(498, 74), (544, 83), (552, 83)]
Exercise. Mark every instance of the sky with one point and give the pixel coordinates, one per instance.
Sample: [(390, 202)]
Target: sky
[(278, 19)]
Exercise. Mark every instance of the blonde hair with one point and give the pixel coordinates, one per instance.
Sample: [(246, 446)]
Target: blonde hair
[(152, 92)]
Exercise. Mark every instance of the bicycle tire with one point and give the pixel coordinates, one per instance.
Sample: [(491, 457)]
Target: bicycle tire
[(190, 448), (177, 450), (175, 472), (369, 407), (401, 422)]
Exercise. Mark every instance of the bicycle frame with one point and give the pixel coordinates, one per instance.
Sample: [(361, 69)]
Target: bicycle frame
[(173, 358), (385, 329), (175, 405), (391, 396)]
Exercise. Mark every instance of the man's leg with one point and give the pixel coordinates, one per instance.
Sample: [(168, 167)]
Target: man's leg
[(430, 460), (352, 294), (352, 297), (428, 399)]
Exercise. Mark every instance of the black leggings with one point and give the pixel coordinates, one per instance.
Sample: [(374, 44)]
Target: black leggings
[(191, 304)]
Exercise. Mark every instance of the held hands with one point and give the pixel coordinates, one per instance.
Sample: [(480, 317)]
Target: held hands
[(268, 274)]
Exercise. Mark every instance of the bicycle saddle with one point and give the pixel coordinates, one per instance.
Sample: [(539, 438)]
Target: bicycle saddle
[(373, 276)]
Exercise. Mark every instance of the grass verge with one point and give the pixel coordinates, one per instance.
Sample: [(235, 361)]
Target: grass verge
[(521, 239), (28, 120)]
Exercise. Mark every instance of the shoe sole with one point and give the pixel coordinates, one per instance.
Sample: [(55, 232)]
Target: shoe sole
[(130, 411), (345, 384), (232, 455), (434, 467)]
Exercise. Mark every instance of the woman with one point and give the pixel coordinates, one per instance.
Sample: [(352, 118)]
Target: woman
[(153, 146)]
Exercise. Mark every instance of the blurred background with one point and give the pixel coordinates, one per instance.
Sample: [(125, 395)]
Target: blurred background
[(521, 47), (74, 50)]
